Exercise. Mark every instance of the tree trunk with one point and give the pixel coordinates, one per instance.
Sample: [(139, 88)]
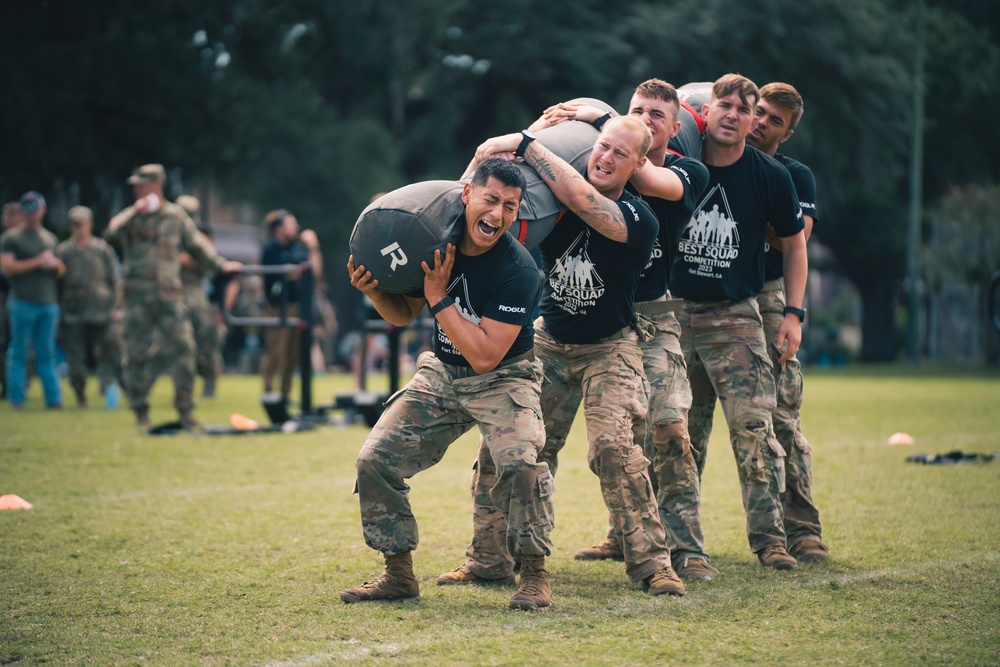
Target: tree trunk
[(990, 334), (879, 338)]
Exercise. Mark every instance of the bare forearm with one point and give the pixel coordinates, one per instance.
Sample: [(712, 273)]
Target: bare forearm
[(661, 182), (796, 270), (574, 192), (396, 309), (10, 266), (483, 345)]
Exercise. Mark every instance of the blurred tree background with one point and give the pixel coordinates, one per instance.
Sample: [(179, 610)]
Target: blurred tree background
[(316, 106)]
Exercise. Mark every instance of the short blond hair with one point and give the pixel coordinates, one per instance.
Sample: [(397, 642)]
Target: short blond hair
[(636, 126)]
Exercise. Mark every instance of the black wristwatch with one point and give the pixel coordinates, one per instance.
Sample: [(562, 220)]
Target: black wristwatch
[(599, 123), (441, 305), (797, 312), (527, 136)]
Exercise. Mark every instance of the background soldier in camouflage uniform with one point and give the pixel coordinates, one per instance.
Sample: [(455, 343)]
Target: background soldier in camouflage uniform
[(482, 372), (719, 270), (91, 294), (778, 112), (206, 321), (153, 232)]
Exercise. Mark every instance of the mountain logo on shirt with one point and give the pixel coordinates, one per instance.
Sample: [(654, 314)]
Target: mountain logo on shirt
[(575, 282), (711, 240), (459, 291)]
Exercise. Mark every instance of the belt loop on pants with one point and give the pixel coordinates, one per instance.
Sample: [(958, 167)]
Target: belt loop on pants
[(618, 335), (458, 372), (659, 306), (773, 285)]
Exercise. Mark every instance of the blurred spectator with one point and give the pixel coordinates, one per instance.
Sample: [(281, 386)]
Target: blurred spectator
[(27, 257), (12, 217), (324, 329), (206, 322), (288, 245), (243, 345), (91, 297)]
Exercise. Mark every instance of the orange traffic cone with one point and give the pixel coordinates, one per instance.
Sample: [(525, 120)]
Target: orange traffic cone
[(243, 423), (12, 502)]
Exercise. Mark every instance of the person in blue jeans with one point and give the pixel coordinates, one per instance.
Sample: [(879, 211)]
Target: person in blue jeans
[(28, 259)]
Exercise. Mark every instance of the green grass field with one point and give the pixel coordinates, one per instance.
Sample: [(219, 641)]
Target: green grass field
[(202, 550)]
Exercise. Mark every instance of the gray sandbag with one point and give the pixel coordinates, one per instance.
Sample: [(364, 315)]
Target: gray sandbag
[(687, 141), (403, 228)]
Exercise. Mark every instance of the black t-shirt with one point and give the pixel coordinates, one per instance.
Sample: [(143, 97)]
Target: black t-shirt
[(274, 254), (590, 284), (673, 215), (502, 284), (805, 186), (720, 253)]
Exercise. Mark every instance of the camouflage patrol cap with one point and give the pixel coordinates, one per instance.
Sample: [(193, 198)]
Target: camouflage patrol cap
[(80, 213), (148, 173)]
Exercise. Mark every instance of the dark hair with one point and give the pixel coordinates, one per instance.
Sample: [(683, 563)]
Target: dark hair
[(502, 170), (274, 219), (785, 96), (658, 89), (731, 83)]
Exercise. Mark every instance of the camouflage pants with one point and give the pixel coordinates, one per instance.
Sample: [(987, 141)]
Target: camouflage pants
[(663, 434), (101, 339), (424, 418), (799, 511), (608, 378), (158, 328), (208, 334), (727, 358)]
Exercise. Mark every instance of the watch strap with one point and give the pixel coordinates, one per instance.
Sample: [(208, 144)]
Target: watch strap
[(798, 312), (526, 138), (441, 305), (599, 123)]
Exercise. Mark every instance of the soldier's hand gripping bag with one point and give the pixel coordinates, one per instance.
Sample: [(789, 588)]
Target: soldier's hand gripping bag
[(403, 228)]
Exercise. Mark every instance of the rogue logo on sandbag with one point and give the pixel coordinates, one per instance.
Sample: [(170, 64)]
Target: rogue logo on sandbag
[(396, 254)]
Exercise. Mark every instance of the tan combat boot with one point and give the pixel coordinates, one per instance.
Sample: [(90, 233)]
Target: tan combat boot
[(463, 575), (664, 582), (695, 569), (187, 419), (534, 594), (397, 583), (775, 556), (809, 550), (607, 549)]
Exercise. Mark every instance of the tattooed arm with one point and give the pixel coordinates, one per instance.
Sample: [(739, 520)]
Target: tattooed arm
[(566, 183)]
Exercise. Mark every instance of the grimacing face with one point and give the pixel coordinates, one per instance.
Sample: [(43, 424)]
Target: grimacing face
[(659, 116), (490, 210), (614, 159)]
